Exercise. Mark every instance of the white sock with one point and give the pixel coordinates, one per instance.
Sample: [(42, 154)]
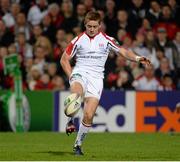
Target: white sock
[(70, 118), (83, 130)]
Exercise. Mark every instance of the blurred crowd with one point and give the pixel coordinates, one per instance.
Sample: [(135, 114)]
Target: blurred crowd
[(38, 31)]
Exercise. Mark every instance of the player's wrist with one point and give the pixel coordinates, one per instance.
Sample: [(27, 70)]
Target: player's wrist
[(137, 58)]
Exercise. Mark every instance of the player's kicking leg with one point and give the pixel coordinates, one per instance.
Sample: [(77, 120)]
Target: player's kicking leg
[(76, 87), (90, 106)]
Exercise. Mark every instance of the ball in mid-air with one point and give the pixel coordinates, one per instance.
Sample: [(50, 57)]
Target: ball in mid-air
[(72, 104)]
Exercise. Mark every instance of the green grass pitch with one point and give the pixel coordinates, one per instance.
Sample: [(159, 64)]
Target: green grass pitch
[(97, 146)]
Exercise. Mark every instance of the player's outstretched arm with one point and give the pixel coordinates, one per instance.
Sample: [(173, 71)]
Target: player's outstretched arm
[(133, 57), (65, 63)]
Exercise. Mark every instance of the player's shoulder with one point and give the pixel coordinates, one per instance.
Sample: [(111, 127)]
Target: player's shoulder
[(77, 38), (107, 37), (110, 39)]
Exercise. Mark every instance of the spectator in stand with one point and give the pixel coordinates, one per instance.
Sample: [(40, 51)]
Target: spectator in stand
[(21, 26), (175, 9), (69, 19), (60, 44), (145, 27), (127, 42), (168, 21), (69, 37), (150, 39), (177, 58), (80, 14), (89, 5), (36, 33), (165, 68), (154, 12), (147, 82), (77, 31), (121, 34), (28, 64), (167, 83), (33, 77), (26, 5), (124, 81), (52, 70), (58, 83), (121, 64), (110, 18), (39, 59), (9, 18), (6, 37), (136, 70), (159, 54), (136, 14), (56, 16), (164, 43), (44, 83), (24, 49), (139, 45), (15, 9), (4, 7), (122, 17), (150, 45), (166, 14), (46, 46), (48, 29), (12, 49), (37, 12), (3, 53)]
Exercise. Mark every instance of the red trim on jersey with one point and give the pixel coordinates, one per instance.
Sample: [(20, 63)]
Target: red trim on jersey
[(112, 41), (69, 48)]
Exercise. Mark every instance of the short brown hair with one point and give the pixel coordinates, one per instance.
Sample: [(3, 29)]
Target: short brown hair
[(92, 15)]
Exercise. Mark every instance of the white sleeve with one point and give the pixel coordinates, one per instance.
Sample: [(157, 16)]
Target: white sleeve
[(113, 45)]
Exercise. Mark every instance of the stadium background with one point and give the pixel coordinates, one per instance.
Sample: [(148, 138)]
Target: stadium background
[(39, 31)]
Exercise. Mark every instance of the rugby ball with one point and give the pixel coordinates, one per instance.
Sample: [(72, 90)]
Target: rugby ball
[(72, 104)]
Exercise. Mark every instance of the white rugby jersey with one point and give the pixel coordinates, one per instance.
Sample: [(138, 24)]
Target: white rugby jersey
[(91, 53)]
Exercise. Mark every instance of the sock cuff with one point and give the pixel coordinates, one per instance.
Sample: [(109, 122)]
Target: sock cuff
[(86, 125)]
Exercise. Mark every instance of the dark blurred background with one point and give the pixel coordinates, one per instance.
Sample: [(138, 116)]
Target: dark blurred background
[(39, 31)]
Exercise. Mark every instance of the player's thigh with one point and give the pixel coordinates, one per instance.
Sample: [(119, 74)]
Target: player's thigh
[(90, 106), (94, 87), (77, 83), (76, 87)]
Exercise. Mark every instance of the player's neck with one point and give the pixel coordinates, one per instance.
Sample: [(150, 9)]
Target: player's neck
[(92, 37)]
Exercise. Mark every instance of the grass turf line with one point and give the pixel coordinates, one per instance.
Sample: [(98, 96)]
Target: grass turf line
[(97, 146)]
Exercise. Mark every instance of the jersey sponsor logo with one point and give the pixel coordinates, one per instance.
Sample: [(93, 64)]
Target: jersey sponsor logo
[(92, 57)]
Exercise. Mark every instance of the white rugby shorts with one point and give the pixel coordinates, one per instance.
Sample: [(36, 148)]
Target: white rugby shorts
[(92, 87)]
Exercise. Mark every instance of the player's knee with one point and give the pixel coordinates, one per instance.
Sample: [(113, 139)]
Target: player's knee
[(88, 118), (76, 88)]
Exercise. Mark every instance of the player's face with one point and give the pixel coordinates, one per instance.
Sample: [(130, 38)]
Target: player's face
[(92, 28)]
